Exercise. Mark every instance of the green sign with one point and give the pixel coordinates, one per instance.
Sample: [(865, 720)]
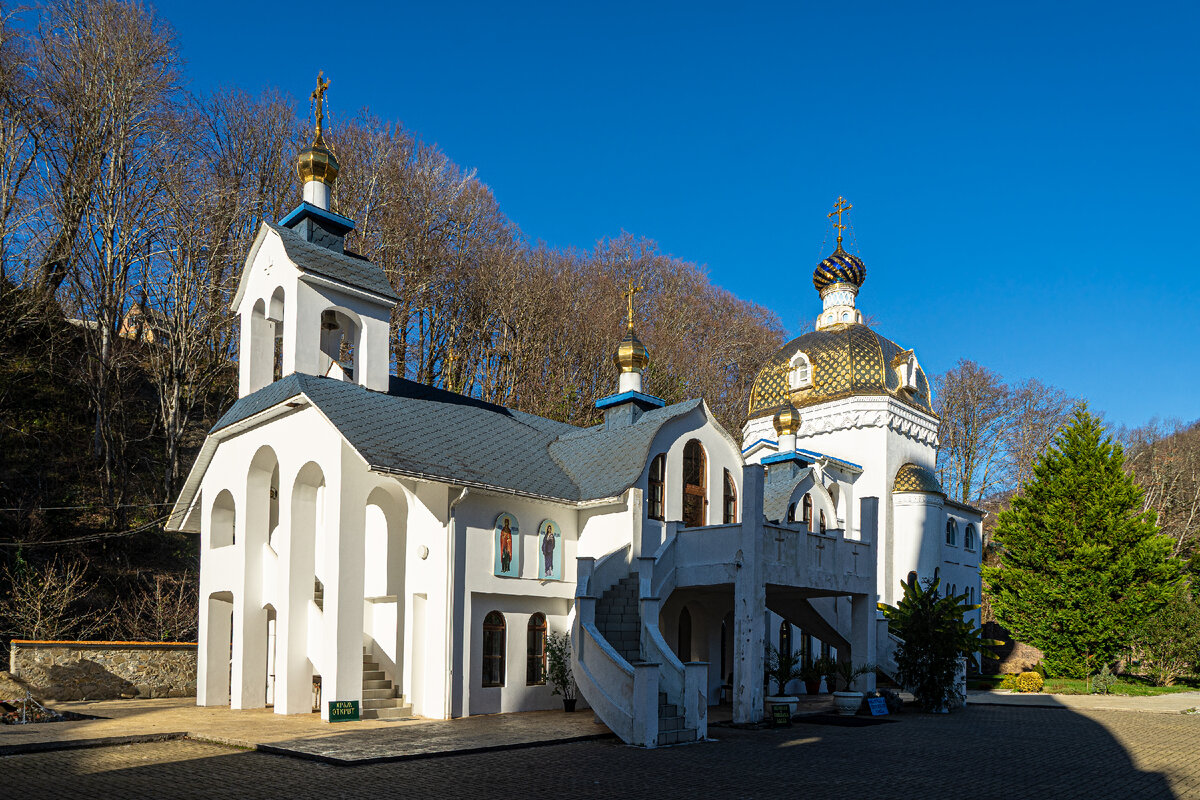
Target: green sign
[(343, 711), (781, 715)]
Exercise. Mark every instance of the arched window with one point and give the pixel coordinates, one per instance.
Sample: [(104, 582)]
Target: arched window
[(952, 531), (785, 638), (695, 485), (729, 505), (535, 659), (969, 536), (808, 511), (685, 635), (656, 489), (800, 375), (223, 515), (822, 521), (791, 517), (493, 649)]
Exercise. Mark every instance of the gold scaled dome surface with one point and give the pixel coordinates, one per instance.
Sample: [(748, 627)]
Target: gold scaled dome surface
[(631, 355), (317, 163), (787, 421), (848, 360), (914, 478)]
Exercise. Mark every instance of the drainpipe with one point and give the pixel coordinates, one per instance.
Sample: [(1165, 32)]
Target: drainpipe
[(451, 535)]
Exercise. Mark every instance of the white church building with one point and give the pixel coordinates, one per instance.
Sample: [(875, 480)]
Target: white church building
[(367, 538)]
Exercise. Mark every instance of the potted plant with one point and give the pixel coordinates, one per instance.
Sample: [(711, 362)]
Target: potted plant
[(846, 701), (782, 667), (811, 673), (823, 668), (558, 657)]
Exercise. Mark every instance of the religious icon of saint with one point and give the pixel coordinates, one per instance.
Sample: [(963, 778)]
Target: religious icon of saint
[(506, 550), (548, 549)]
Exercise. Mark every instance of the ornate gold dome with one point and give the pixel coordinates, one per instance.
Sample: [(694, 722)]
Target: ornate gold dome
[(914, 478), (631, 355), (787, 420), (317, 163), (848, 360)]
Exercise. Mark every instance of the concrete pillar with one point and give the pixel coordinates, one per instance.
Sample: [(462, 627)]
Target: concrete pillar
[(749, 603), (695, 697), (645, 704), (863, 630), (342, 635), (250, 618)]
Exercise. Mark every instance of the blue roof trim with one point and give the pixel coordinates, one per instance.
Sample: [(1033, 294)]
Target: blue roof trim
[(792, 456), (308, 209), (625, 397), (813, 454), (757, 442)]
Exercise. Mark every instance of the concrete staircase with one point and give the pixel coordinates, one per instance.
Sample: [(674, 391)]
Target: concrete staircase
[(618, 618), (381, 699), (670, 724)]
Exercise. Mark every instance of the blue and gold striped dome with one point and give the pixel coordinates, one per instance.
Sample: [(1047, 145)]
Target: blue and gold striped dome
[(840, 267)]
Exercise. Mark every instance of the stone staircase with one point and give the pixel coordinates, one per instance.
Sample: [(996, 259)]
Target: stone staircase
[(618, 618), (381, 699), (670, 724)]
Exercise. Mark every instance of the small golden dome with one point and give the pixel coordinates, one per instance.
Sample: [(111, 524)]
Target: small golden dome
[(787, 421), (914, 478), (631, 355), (317, 163)]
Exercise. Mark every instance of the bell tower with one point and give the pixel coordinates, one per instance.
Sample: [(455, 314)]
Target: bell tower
[(306, 304)]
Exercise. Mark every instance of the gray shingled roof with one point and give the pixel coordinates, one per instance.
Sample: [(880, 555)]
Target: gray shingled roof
[(776, 495), (421, 431), (331, 264)]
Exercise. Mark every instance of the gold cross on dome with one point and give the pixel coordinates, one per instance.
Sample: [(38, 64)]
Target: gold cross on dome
[(318, 96), (629, 293), (840, 206)]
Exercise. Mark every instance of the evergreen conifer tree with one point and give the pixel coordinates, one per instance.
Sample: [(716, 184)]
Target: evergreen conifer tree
[(1081, 566)]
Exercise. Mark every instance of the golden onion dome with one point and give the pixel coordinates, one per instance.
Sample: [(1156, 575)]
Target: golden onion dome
[(914, 478), (631, 355), (787, 420), (846, 360), (317, 163)]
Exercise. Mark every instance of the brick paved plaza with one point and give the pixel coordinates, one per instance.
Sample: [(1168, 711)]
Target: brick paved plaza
[(982, 752)]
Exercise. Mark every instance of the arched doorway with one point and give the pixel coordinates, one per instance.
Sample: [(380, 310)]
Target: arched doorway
[(684, 643)]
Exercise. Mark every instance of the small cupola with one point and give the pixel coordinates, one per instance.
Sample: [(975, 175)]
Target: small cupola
[(631, 358), (838, 278), (787, 425)]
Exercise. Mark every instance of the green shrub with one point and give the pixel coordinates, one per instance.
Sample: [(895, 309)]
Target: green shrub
[(1008, 683), (1029, 682), (1103, 681)]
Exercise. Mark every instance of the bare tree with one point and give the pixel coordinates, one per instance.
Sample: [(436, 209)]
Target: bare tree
[(50, 601), (1165, 460), (163, 608)]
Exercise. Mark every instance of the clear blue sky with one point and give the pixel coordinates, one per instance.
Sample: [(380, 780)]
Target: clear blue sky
[(1025, 176)]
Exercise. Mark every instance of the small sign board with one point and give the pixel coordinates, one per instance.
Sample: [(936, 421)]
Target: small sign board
[(781, 715), (343, 711), (878, 706)]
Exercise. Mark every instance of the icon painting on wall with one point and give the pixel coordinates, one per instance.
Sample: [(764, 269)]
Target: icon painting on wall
[(550, 554), (508, 547)]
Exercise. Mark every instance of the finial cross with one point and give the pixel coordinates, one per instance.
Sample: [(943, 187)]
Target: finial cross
[(318, 96), (629, 293), (840, 206)]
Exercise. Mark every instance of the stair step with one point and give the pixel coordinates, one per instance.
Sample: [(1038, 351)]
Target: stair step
[(379, 693), (399, 712), (668, 710), (380, 683), (373, 675), (370, 666), (676, 736), (670, 724), (382, 702)]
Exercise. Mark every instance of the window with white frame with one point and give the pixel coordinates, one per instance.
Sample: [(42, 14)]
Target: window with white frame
[(952, 532), (800, 375), (969, 537)]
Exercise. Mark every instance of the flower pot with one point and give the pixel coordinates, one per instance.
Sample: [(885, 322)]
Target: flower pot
[(846, 703), (568, 705), (812, 686)]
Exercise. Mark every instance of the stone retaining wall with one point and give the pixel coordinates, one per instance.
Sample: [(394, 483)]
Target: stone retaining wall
[(105, 670)]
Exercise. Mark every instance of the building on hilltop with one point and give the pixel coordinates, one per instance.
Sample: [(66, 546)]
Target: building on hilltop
[(411, 548)]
